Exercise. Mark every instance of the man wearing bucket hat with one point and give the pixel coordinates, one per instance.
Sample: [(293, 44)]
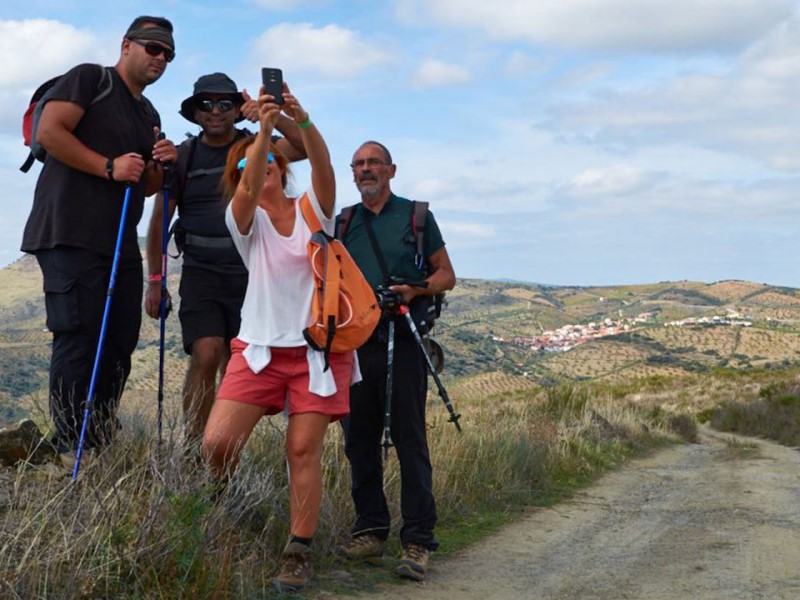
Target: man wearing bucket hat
[(214, 279)]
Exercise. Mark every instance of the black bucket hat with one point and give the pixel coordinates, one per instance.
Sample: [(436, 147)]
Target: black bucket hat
[(215, 83)]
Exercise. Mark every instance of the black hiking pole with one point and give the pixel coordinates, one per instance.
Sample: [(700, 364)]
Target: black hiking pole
[(454, 417), (387, 406), (164, 305), (106, 310)]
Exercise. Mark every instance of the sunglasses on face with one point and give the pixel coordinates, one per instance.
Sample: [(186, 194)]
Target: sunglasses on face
[(154, 49), (222, 105), (243, 162)]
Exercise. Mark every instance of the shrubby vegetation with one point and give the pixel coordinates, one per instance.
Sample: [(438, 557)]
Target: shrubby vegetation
[(775, 415)]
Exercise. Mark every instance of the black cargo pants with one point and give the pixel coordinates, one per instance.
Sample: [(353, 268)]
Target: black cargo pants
[(75, 287), (363, 435)]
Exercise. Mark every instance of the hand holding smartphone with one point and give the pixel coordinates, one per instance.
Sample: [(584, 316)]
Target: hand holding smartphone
[(273, 83)]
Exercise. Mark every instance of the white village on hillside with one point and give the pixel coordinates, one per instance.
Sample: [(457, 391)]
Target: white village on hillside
[(567, 337)]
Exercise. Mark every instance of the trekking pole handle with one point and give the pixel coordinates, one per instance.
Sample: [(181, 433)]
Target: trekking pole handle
[(166, 166)]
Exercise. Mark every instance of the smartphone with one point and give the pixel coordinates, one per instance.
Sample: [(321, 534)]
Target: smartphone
[(273, 83)]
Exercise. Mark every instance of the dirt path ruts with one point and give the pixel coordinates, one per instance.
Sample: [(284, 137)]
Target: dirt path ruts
[(692, 522)]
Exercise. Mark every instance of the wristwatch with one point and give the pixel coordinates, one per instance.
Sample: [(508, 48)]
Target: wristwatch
[(110, 169)]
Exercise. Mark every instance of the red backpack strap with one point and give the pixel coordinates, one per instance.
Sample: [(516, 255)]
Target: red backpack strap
[(343, 221)]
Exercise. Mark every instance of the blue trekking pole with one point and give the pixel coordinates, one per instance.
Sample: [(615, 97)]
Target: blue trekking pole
[(99, 353), (164, 305)]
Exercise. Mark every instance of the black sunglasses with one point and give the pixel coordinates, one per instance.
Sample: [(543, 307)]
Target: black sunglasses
[(154, 49), (208, 105)]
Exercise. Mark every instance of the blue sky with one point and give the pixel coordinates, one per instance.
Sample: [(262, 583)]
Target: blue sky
[(558, 141)]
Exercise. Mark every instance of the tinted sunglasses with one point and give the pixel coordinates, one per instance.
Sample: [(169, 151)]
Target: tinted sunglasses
[(208, 105), (243, 162), (154, 49)]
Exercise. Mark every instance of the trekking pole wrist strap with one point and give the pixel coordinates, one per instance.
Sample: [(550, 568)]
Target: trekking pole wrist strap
[(110, 169)]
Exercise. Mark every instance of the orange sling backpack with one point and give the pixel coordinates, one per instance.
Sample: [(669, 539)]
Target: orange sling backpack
[(344, 308)]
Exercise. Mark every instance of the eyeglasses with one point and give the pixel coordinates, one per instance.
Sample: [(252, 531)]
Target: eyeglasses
[(208, 105), (243, 162), (154, 49), (367, 162)]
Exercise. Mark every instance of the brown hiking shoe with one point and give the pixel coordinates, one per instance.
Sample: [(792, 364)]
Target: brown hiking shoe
[(296, 570), (414, 563), (367, 547)]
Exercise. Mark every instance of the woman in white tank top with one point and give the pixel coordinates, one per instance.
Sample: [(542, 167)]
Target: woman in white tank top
[(270, 360)]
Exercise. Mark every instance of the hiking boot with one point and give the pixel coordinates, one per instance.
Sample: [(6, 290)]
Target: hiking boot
[(367, 547), (414, 563), (296, 570)]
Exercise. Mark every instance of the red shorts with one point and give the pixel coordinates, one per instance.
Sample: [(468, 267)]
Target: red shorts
[(286, 376)]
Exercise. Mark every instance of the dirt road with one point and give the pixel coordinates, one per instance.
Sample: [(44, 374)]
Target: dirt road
[(702, 521)]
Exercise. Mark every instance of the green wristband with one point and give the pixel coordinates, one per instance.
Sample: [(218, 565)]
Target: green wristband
[(305, 124)]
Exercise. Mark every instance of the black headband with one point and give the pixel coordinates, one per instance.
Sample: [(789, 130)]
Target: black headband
[(153, 34)]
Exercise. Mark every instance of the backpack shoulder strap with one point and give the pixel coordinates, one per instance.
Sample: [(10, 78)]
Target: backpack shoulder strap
[(309, 215), (419, 216), (105, 86), (187, 172), (327, 269), (343, 221), (184, 163)]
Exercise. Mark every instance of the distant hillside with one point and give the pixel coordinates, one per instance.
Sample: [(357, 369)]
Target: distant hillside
[(493, 326), (497, 336)]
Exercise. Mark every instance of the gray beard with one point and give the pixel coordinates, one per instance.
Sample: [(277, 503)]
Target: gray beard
[(369, 191)]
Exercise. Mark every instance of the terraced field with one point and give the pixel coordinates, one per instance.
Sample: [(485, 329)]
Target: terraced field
[(595, 359), (485, 385), (729, 291), (765, 346), (722, 340)]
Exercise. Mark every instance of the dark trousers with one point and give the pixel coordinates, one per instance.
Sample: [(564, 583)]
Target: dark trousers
[(75, 286), (363, 434)]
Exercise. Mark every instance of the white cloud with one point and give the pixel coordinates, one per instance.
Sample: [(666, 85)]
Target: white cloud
[(35, 50), (434, 73), (747, 109), (470, 230), (521, 64), (491, 193), (617, 180), (652, 25), (330, 51)]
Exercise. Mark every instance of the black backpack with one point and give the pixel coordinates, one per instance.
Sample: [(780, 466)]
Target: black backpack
[(428, 308), (30, 121)]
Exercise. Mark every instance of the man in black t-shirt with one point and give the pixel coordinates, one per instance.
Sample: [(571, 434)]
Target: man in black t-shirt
[(95, 149), (214, 279)]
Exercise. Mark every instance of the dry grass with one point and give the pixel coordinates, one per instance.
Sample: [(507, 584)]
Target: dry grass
[(140, 522)]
